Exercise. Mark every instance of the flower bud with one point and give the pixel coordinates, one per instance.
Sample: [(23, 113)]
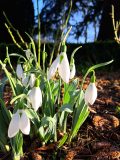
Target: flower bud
[(25, 79), (62, 64), (32, 80), (19, 71), (35, 97), (53, 68), (90, 94), (28, 53), (64, 68)]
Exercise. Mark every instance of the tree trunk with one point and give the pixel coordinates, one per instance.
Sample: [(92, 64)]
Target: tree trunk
[(106, 30)]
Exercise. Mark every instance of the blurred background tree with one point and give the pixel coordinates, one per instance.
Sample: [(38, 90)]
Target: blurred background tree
[(84, 14), (20, 13), (97, 13)]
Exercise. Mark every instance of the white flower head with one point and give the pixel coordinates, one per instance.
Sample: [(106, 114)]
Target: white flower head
[(61, 63), (28, 53), (90, 94), (53, 68), (64, 68), (35, 97), (19, 121), (19, 71), (32, 80), (25, 79)]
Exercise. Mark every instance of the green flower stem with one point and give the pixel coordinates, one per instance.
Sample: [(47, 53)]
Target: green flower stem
[(91, 69), (11, 26), (39, 38), (16, 157), (59, 92), (93, 77), (50, 97), (34, 48), (12, 84), (13, 38), (8, 58)]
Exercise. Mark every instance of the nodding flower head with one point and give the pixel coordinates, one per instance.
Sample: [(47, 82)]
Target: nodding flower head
[(90, 94), (19, 121), (19, 71), (28, 53), (62, 64), (64, 68), (32, 80), (35, 96), (25, 79)]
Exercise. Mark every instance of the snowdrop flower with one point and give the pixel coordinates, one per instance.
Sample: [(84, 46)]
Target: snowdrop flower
[(25, 79), (32, 80), (91, 94), (73, 71), (19, 121), (19, 71), (28, 53), (61, 63), (35, 96), (53, 68), (64, 68)]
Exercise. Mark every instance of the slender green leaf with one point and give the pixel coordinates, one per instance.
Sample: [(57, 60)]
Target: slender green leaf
[(6, 114), (62, 141), (3, 130), (17, 55), (79, 116), (33, 116), (17, 97), (73, 53), (66, 107)]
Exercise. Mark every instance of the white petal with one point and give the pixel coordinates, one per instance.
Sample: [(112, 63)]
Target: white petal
[(24, 123), (73, 71), (53, 68), (64, 68), (25, 79), (90, 94), (19, 71), (28, 53), (13, 128), (35, 97), (32, 80)]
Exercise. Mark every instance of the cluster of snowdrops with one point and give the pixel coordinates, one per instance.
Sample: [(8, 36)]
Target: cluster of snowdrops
[(19, 120), (45, 98)]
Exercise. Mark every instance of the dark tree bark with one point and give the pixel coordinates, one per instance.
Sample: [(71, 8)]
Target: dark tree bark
[(106, 31)]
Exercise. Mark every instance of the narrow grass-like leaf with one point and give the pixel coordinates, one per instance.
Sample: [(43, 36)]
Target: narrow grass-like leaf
[(5, 112), (33, 116), (17, 55), (67, 108), (3, 130), (73, 53), (80, 114), (62, 141), (18, 97)]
